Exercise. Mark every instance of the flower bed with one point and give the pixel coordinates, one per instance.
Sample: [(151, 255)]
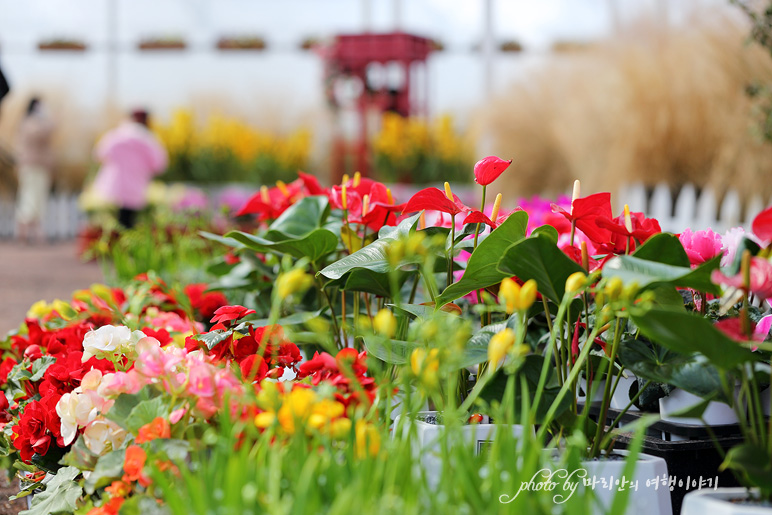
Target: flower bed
[(356, 312)]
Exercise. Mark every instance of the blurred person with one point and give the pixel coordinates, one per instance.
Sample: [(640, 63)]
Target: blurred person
[(35, 160), (4, 87), (131, 156)]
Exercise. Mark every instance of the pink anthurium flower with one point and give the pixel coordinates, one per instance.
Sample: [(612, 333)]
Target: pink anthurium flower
[(761, 278), (488, 169)]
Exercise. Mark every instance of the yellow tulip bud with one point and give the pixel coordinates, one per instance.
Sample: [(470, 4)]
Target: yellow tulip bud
[(265, 419), (499, 345), (294, 281), (357, 179), (613, 288), (426, 365), (527, 295), (448, 193), (630, 291), (368, 440), (496, 207), (575, 282), (385, 323), (509, 293)]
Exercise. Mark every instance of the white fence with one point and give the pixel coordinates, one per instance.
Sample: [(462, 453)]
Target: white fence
[(62, 220), (690, 209)]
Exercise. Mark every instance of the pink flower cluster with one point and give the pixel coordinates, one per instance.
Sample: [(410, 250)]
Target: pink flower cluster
[(190, 376)]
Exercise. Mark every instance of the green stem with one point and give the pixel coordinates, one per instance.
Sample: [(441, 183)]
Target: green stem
[(607, 388), (452, 248), (482, 210)]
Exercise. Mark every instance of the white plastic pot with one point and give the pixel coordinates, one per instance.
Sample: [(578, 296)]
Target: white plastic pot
[(649, 493), (716, 414), (621, 397), (718, 502)]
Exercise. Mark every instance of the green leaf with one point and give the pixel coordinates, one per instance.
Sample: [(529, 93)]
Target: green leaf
[(394, 352), (686, 333), (373, 257), (476, 350), (126, 402), (314, 245), (298, 318), (230, 242), (481, 269), (60, 496), (547, 231), (144, 413), (648, 273), (691, 373), (663, 248), (39, 367), (366, 280), (301, 218), (108, 468), (418, 310), (212, 338), (752, 462), (541, 260), (80, 456)]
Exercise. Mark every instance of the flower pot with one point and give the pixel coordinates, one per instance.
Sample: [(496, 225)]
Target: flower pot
[(597, 397), (722, 501), (621, 397), (717, 413), (428, 446), (648, 487)]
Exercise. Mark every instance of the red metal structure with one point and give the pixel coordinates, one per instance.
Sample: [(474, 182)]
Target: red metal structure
[(355, 57)]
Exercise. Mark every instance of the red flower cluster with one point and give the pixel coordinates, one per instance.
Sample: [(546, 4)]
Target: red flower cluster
[(204, 303), (346, 371), (264, 352)]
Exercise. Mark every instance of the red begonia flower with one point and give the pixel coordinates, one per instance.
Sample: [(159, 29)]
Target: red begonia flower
[(228, 313), (488, 169)]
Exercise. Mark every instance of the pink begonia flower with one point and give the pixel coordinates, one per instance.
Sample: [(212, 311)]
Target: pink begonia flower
[(173, 322), (761, 278), (176, 415), (730, 242), (762, 328), (121, 382), (700, 246), (201, 382)]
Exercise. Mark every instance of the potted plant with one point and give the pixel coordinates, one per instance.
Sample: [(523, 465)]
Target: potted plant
[(241, 43), (165, 43), (72, 45)]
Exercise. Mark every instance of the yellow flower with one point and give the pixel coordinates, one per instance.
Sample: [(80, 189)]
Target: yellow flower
[(39, 309), (499, 345), (527, 294), (509, 293), (426, 366), (575, 282), (614, 288), (295, 408), (385, 323), (294, 281), (368, 440)]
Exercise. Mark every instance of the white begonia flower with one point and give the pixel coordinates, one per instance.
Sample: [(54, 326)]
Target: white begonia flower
[(102, 436), (109, 340), (75, 410)]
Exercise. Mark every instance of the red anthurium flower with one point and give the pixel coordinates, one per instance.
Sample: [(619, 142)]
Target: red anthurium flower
[(761, 278), (312, 184), (478, 217), (269, 203), (229, 313), (488, 169), (732, 327), (762, 225), (643, 229), (433, 199), (584, 212), (353, 202), (381, 208)]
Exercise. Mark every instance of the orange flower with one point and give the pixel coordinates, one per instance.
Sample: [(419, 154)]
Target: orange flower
[(133, 465), (118, 489), (158, 428), (112, 507)]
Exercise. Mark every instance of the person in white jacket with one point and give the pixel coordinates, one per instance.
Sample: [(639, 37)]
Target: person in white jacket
[(35, 160)]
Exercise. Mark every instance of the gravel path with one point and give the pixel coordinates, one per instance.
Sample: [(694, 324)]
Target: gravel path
[(29, 273)]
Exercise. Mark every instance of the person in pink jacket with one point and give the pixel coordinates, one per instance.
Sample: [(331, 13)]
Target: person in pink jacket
[(131, 156)]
